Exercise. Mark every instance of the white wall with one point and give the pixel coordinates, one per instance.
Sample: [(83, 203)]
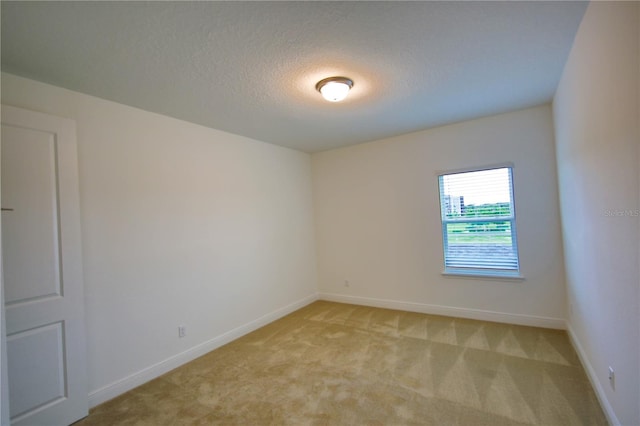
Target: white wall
[(378, 220), (182, 225), (596, 117)]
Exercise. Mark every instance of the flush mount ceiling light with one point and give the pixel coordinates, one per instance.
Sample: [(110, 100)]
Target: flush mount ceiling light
[(334, 89)]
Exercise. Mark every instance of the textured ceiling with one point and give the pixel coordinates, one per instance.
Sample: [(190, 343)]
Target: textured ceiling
[(250, 67)]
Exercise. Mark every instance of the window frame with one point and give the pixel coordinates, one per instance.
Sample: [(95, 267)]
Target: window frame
[(514, 274)]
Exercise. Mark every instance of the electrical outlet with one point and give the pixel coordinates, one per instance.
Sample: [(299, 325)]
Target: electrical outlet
[(346, 283), (612, 378), (182, 331)]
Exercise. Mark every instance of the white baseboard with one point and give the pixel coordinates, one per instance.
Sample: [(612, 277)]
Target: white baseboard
[(593, 378), (125, 384), (450, 311)]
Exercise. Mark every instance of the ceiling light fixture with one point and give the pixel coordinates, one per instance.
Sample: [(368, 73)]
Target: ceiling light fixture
[(334, 89)]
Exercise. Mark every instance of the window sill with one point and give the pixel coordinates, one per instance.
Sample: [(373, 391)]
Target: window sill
[(484, 275)]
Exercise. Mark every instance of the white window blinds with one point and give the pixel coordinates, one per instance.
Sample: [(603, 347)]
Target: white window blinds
[(478, 222)]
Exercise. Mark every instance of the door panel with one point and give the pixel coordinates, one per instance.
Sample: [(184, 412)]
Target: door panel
[(29, 187), (42, 265), (42, 380)]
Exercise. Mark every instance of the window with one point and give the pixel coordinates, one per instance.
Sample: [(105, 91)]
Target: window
[(479, 223)]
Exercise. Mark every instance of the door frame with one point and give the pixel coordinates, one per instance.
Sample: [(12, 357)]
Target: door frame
[(4, 382)]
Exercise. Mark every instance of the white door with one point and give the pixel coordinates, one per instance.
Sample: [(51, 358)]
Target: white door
[(42, 266)]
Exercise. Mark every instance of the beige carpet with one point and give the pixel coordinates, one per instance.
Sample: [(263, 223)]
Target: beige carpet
[(337, 364)]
